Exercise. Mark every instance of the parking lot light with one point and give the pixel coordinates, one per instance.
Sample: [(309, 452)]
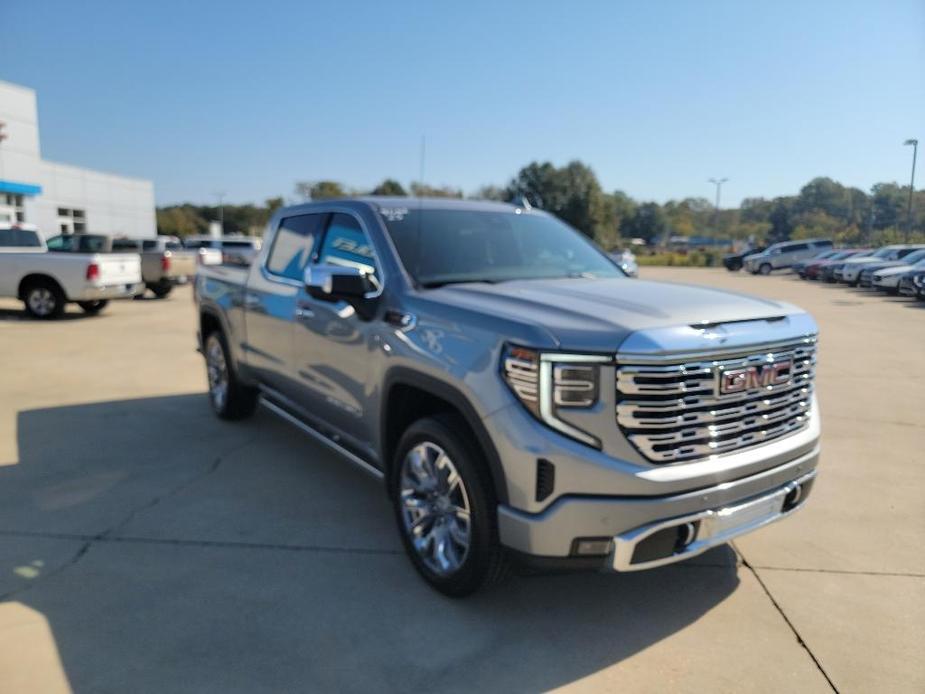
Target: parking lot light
[(915, 152)]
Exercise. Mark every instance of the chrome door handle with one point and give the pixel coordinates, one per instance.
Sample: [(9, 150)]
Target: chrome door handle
[(252, 301), (303, 312)]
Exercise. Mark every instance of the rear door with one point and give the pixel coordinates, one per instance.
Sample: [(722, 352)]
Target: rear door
[(271, 296)]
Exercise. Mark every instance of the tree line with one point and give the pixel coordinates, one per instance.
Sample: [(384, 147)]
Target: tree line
[(822, 208)]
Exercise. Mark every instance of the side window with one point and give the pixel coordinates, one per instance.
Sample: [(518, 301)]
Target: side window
[(293, 245), (125, 246), (346, 244), (58, 243), (798, 247), (148, 245), (19, 238)]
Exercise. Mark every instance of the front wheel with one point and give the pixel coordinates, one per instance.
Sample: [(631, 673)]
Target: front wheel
[(446, 508), (765, 269), (230, 399), (93, 307)]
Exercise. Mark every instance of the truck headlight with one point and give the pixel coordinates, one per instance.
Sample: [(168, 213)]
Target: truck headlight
[(547, 382)]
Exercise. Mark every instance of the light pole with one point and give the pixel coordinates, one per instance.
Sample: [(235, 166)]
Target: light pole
[(915, 152), (718, 182), (221, 211)]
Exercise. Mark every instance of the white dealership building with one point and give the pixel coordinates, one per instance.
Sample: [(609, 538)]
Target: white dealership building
[(61, 198)]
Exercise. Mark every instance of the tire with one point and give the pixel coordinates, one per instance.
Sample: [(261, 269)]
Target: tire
[(442, 453), (161, 290), (93, 307), (765, 269), (230, 399), (43, 299)]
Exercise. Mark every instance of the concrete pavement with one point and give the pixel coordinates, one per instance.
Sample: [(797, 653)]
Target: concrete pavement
[(146, 546)]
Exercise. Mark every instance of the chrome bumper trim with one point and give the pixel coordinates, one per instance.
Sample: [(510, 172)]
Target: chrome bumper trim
[(717, 526)]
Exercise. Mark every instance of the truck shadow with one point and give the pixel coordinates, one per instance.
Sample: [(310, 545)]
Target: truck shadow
[(9, 314), (174, 551)]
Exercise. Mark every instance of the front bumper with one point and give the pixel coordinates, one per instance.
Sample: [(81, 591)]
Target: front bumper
[(115, 291), (627, 520)]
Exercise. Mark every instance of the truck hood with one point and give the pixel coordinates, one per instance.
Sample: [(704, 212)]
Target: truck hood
[(597, 315)]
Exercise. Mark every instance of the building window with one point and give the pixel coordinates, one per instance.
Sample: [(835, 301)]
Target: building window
[(72, 221), (12, 208)]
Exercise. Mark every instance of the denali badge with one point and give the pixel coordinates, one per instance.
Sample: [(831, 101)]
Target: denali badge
[(754, 377)]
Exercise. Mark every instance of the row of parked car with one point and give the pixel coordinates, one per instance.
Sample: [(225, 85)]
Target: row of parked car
[(895, 269), (92, 269)]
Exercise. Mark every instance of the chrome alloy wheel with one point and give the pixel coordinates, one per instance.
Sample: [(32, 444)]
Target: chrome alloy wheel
[(217, 368), (435, 508), (41, 301)]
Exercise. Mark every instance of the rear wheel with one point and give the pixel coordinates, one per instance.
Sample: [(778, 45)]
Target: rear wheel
[(446, 508), (765, 269), (93, 307), (43, 299), (162, 289), (230, 399)]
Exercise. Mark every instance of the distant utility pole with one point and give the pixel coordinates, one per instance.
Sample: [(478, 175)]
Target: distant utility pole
[(915, 152), (421, 171), (718, 182), (221, 211)]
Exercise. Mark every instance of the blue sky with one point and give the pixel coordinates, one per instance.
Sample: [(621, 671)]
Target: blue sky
[(248, 98)]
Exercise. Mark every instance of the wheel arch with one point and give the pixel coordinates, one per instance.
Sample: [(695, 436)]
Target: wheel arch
[(34, 277), (409, 395)]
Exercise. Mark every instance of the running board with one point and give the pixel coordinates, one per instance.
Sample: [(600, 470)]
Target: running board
[(318, 436)]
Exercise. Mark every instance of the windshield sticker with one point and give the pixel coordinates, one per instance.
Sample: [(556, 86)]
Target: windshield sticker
[(393, 214)]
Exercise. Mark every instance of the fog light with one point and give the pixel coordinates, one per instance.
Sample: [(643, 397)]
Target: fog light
[(592, 546), (793, 497)]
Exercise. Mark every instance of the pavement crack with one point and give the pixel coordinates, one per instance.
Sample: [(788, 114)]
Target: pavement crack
[(78, 555), (223, 544), (108, 533), (843, 572), (790, 624)]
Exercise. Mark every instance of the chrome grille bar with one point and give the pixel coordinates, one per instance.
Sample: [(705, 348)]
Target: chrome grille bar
[(673, 411)]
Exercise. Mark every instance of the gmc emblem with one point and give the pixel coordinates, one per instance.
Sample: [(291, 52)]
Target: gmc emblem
[(755, 377)]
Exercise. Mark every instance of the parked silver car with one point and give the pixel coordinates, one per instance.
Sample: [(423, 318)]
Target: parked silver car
[(784, 255)]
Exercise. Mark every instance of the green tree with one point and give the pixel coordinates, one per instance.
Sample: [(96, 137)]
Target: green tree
[(780, 218), (889, 205), (647, 223), (389, 187), (572, 193), (490, 192), (274, 204), (422, 190)]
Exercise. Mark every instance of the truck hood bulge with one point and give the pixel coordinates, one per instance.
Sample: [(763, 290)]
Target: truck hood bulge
[(597, 315)]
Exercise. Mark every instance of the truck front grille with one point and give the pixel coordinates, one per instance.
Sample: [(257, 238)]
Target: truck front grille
[(674, 410)]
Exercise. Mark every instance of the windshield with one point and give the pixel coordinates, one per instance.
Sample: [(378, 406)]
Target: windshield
[(447, 246), (914, 258)]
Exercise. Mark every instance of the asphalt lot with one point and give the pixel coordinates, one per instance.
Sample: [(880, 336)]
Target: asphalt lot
[(147, 547)]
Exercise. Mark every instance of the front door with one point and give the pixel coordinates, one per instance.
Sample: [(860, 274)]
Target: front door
[(332, 345)]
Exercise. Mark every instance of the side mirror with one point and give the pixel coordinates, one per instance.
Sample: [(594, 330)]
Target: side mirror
[(337, 283)]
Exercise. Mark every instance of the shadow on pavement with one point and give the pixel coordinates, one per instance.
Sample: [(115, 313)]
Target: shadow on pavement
[(7, 314), (208, 556)]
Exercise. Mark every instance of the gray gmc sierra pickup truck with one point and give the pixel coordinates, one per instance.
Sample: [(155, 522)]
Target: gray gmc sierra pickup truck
[(520, 396)]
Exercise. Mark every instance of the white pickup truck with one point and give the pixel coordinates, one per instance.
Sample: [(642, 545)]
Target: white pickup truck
[(45, 281)]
